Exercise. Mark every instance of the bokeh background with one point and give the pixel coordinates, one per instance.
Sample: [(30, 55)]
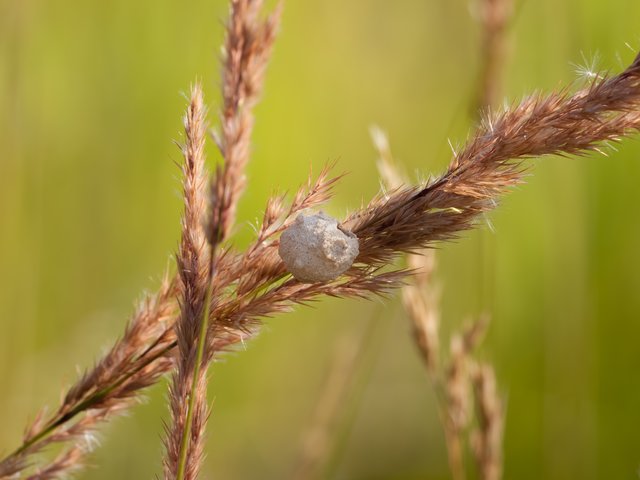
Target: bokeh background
[(90, 101)]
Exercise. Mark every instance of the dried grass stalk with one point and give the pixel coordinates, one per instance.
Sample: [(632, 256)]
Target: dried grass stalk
[(559, 123), (146, 347), (247, 50), (405, 220), (421, 299), (136, 361), (64, 464), (187, 395), (455, 398), (487, 439), (451, 379)]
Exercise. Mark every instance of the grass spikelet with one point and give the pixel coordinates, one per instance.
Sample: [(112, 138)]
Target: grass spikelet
[(187, 394), (559, 123), (247, 50), (486, 440)]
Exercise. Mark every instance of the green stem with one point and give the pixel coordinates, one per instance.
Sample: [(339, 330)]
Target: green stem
[(202, 336)]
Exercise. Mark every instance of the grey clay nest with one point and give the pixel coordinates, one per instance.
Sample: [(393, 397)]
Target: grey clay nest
[(314, 249)]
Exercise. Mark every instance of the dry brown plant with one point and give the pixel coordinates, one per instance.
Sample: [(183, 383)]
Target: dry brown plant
[(246, 53), (491, 162), (453, 376), (404, 220), (188, 391), (145, 350), (450, 378), (64, 464), (487, 439), (136, 361), (248, 44)]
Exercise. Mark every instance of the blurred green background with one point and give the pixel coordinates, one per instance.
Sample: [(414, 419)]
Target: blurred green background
[(90, 101)]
